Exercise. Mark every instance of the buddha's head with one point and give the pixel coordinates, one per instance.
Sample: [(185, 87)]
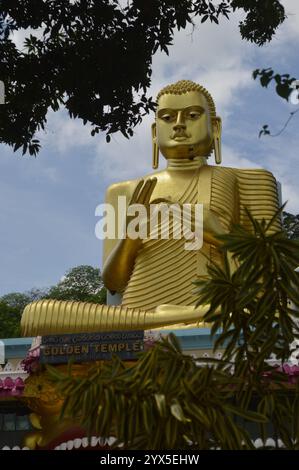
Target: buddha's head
[(186, 124)]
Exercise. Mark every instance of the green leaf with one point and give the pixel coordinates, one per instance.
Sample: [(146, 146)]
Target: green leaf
[(247, 414), (177, 412), (161, 403)]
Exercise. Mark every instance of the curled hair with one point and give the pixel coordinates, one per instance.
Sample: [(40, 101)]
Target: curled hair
[(184, 86)]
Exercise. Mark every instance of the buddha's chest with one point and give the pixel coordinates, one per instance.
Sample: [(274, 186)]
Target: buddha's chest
[(204, 182), (176, 187)]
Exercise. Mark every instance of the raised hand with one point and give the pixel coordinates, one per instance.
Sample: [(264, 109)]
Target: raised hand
[(142, 195), (143, 192)]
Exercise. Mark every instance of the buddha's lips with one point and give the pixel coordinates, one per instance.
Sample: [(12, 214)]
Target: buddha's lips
[(180, 137), (180, 134)]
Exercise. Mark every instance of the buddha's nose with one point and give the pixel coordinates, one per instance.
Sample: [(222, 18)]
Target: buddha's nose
[(180, 122)]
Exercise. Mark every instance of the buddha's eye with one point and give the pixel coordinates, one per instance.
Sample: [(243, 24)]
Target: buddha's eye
[(167, 117), (193, 115)]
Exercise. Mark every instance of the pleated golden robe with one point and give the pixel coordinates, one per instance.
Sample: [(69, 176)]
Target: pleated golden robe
[(164, 270)]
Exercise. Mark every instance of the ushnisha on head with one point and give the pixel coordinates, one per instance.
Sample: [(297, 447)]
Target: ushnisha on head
[(186, 123)]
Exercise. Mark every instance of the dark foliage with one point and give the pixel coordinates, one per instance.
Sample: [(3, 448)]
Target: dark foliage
[(262, 20), (291, 225), (82, 284), (94, 58), (9, 321), (285, 86), (11, 308)]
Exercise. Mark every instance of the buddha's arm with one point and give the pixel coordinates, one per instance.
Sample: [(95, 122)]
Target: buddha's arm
[(119, 254), (119, 265), (55, 316), (120, 257), (259, 194)]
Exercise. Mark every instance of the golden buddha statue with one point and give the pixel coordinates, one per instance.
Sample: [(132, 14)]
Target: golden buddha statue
[(153, 275)]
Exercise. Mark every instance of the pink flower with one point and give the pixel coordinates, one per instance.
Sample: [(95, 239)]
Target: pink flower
[(19, 384), (8, 383)]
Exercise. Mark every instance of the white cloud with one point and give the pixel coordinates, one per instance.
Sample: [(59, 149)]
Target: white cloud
[(284, 164), (234, 159), (64, 135), (212, 55), (290, 28), (30, 168), (124, 159)]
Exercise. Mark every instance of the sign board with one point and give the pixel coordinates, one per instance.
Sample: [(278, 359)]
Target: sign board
[(86, 347)]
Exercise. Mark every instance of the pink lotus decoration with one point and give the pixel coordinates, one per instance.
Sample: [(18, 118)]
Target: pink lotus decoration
[(291, 371), (31, 361), (11, 387)]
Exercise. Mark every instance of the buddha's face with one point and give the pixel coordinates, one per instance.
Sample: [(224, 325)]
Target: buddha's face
[(183, 125)]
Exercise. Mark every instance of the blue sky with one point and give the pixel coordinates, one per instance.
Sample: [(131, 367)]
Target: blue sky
[(47, 204)]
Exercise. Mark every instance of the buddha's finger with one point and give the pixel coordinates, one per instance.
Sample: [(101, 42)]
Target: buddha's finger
[(146, 192), (143, 191), (150, 190), (136, 192)]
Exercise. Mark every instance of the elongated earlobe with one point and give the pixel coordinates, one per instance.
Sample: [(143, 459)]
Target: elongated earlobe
[(217, 140), (155, 156), (217, 150)]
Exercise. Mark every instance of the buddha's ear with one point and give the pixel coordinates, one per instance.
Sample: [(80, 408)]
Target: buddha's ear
[(154, 130), (217, 126), (217, 130), (155, 162)]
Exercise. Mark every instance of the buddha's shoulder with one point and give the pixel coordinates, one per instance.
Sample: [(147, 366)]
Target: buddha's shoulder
[(122, 188), (251, 173)]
